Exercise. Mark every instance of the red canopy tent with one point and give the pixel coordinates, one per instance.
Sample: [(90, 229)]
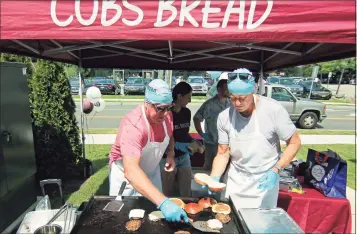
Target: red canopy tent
[(201, 35), (186, 35)]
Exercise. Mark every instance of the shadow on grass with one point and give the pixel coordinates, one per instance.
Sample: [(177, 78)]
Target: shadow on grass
[(353, 160), (100, 163), (103, 190)]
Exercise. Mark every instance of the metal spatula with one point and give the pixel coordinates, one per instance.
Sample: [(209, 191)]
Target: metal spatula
[(117, 204), (203, 227)]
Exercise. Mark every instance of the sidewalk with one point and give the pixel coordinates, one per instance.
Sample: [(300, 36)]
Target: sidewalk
[(136, 100), (199, 101), (306, 139)]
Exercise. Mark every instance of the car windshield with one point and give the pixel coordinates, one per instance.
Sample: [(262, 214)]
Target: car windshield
[(196, 80), (316, 86), (104, 81), (286, 81), (74, 83), (135, 81), (273, 80), (297, 81)]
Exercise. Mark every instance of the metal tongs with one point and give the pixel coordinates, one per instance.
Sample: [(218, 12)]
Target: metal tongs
[(58, 214), (68, 220)]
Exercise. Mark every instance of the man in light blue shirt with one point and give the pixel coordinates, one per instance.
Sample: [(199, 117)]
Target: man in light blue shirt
[(209, 112)]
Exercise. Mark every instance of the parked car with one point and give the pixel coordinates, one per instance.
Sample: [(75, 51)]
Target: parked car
[(135, 85), (305, 112), (74, 84), (296, 89), (353, 82), (198, 84), (106, 85), (209, 81), (318, 91)]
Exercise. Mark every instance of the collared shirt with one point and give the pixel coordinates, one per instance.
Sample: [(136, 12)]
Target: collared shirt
[(209, 112), (133, 135)]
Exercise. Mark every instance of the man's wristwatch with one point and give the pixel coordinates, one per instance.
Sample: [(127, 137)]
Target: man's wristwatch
[(279, 168)]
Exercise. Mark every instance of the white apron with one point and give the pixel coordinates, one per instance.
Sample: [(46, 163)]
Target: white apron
[(251, 156), (149, 162)]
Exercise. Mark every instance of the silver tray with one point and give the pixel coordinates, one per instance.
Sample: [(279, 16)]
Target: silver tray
[(267, 221)]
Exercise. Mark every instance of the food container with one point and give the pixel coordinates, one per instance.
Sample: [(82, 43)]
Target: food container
[(49, 229), (35, 219), (285, 183), (267, 221)]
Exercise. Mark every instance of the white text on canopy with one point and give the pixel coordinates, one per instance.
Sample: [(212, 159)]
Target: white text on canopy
[(233, 10), (208, 10)]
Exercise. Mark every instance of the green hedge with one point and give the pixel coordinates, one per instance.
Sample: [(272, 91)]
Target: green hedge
[(56, 134)]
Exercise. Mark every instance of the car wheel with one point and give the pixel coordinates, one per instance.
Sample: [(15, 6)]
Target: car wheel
[(308, 120)]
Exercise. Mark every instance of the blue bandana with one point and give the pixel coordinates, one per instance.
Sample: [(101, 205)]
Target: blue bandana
[(158, 92)]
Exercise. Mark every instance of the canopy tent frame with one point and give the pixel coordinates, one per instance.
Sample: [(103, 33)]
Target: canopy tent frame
[(169, 57), (259, 35)]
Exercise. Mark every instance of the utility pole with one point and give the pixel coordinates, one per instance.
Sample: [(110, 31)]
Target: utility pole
[(339, 82)]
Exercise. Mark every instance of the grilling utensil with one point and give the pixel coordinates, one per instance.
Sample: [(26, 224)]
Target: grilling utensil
[(117, 204), (202, 226)]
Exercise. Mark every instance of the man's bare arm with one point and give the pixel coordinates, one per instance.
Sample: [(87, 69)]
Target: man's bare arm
[(138, 179), (171, 146), (220, 161), (197, 124), (292, 147)]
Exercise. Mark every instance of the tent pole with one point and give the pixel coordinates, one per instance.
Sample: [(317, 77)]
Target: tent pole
[(261, 86), (82, 114)]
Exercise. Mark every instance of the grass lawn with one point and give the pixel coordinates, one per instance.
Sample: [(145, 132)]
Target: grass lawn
[(301, 131), (136, 97), (98, 183), (326, 132)]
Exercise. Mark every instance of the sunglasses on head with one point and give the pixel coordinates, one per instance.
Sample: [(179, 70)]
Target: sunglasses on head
[(242, 76)]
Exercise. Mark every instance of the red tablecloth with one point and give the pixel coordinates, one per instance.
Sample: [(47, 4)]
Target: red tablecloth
[(312, 211), (315, 213)]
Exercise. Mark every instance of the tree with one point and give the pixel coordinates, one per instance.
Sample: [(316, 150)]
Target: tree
[(56, 134)]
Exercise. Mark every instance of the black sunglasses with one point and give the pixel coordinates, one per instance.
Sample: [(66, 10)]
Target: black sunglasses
[(163, 108)]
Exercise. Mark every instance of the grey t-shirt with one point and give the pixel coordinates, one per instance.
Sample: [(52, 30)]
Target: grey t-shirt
[(209, 112), (274, 123)]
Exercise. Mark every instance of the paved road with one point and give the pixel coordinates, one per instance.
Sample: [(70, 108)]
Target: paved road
[(339, 117)]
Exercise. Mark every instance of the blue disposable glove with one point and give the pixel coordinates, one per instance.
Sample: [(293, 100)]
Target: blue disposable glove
[(215, 178), (269, 180), (172, 212), (182, 147), (204, 136)]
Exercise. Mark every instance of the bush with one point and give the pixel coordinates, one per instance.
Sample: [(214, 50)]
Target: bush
[(56, 134)]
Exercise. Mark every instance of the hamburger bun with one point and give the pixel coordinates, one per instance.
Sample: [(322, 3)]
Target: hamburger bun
[(202, 178), (207, 202), (216, 186), (193, 208), (178, 202), (221, 208)]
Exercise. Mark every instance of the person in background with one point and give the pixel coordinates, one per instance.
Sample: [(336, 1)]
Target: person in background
[(209, 112), (144, 135), (249, 134), (181, 95)]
